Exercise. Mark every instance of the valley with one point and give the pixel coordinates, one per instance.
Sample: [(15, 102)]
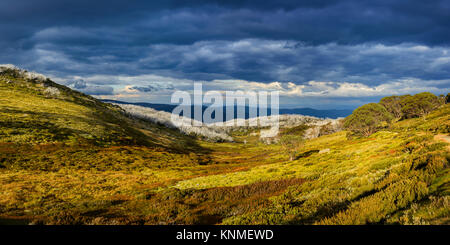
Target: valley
[(68, 158)]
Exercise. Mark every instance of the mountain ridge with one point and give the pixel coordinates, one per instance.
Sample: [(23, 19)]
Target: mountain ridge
[(333, 113)]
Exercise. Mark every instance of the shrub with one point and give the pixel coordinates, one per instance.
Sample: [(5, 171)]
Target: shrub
[(419, 105), (52, 92), (367, 119), (291, 144), (394, 104)]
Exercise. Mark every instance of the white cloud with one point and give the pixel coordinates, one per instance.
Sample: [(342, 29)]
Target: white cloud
[(311, 89)]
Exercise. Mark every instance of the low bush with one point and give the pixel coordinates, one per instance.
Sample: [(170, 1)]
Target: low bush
[(368, 119)]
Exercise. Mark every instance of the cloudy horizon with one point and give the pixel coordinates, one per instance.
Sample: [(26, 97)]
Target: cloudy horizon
[(318, 54)]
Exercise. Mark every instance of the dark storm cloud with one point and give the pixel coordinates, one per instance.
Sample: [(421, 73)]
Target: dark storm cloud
[(84, 87), (314, 22), (363, 41), (97, 90), (152, 88), (265, 61)]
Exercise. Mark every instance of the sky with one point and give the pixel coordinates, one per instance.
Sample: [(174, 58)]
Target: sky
[(318, 54)]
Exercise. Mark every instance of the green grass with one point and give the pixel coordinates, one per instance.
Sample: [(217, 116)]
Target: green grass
[(71, 159)]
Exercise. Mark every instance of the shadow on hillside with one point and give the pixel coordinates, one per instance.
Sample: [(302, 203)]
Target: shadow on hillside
[(330, 209), (306, 154)]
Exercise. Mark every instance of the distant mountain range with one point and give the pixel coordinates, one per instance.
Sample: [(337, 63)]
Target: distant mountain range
[(299, 111)]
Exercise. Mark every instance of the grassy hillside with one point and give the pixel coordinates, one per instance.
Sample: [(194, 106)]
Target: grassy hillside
[(399, 175), (39, 111), (66, 158)]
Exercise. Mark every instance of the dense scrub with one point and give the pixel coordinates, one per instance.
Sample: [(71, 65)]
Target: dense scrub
[(385, 188), (66, 158), (372, 117)]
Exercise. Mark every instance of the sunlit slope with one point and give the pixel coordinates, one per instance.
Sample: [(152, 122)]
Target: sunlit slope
[(356, 181), (67, 158), (39, 111)]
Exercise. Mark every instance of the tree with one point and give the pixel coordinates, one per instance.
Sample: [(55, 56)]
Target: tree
[(368, 119), (441, 99), (419, 105), (447, 98), (394, 104), (291, 144)]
